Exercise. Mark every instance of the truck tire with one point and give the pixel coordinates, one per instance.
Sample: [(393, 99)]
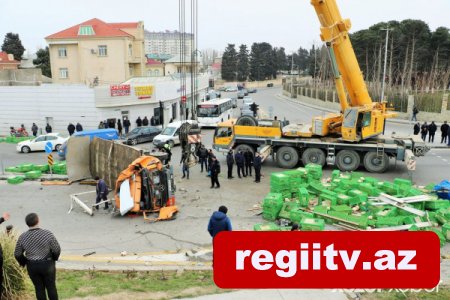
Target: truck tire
[(247, 121), (348, 160), (313, 156), (287, 157), (375, 164), (244, 148)]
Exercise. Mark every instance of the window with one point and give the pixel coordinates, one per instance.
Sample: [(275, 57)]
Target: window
[(156, 73), (40, 139), (63, 73), (102, 50), (224, 132), (51, 137), (130, 50), (62, 52), (86, 30)]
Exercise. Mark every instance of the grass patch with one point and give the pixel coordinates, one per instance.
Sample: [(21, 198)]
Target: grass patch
[(442, 292), (141, 284)]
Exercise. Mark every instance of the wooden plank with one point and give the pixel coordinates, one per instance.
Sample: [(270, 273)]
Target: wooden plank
[(403, 227), (56, 182), (388, 200), (331, 217)]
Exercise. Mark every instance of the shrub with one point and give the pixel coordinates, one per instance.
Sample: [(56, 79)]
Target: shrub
[(14, 276)]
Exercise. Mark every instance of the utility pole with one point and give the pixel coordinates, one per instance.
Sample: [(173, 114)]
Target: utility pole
[(292, 64), (385, 62)]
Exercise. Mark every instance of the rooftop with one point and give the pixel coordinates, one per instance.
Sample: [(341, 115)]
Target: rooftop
[(7, 59)]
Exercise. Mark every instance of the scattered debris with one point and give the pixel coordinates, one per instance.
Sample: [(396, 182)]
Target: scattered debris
[(123, 253), (89, 254)]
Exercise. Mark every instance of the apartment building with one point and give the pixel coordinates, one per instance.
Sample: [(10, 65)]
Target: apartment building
[(166, 43), (95, 52)]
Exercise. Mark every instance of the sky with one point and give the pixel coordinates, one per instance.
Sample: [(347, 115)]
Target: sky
[(282, 23)]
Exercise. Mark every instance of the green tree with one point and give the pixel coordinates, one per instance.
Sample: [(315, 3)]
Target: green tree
[(13, 45), (262, 62), (281, 59), (229, 63), (242, 63), (43, 61)]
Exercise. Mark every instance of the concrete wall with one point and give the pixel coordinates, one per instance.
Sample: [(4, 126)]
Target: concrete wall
[(20, 77)]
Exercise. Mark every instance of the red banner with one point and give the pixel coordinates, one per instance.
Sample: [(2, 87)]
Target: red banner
[(326, 259), (120, 90)]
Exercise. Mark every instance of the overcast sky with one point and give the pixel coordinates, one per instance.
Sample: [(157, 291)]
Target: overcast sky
[(282, 23)]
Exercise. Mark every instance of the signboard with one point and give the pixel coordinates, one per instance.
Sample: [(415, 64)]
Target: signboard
[(50, 160), (143, 92), (48, 147), (183, 99), (120, 90)]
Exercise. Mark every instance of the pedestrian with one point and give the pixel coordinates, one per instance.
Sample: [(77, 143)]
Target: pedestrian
[(139, 122), (105, 122), (171, 120), (295, 227), (202, 154), (101, 125), (38, 249), (239, 158), (12, 131), (48, 128), (145, 121), (416, 128), (230, 163), (71, 128), (444, 132), (432, 128), (219, 221), (119, 127), (4, 218), (248, 158), (257, 165), (424, 131), (126, 124), (79, 127), (184, 165), (209, 158), (215, 171), (102, 192), (34, 129), (414, 113), (152, 121), (22, 130)]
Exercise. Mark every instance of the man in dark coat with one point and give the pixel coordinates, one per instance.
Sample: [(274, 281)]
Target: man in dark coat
[(145, 121), (34, 129), (48, 128), (230, 163), (79, 127), (416, 128), (71, 128), (219, 221), (444, 132), (414, 113), (257, 165), (215, 171), (139, 122), (248, 156), (119, 127), (2, 219), (239, 158), (102, 192), (152, 121), (424, 131), (432, 128), (202, 154), (210, 156), (126, 125)]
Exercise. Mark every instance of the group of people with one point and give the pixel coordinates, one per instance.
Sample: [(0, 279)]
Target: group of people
[(23, 132), (245, 162), (71, 128), (144, 122), (36, 249), (430, 130)]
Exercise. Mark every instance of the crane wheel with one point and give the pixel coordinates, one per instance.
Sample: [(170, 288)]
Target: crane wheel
[(287, 157), (376, 164), (348, 160), (247, 121), (244, 148), (313, 156)]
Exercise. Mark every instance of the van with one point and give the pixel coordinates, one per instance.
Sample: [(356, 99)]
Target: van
[(106, 134), (170, 134)]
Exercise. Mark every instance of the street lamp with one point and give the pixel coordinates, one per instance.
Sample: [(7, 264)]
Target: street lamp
[(385, 61)]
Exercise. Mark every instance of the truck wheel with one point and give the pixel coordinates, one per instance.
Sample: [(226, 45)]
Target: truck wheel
[(376, 164), (347, 160), (313, 156), (287, 157), (244, 148), (247, 121)]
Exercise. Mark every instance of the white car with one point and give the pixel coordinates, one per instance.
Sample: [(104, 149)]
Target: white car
[(170, 134), (231, 89), (38, 144)]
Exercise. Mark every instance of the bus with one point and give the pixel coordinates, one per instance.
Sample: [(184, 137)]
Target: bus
[(212, 112)]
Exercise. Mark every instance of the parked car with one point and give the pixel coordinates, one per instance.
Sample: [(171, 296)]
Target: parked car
[(38, 143), (106, 134), (251, 90), (141, 135), (234, 105), (170, 134), (246, 112), (247, 100), (231, 89), (270, 84), (241, 94), (222, 89)]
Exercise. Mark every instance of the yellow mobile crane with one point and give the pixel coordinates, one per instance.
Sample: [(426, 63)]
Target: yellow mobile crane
[(345, 139)]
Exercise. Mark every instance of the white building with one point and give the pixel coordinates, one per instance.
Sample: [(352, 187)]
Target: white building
[(59, 104), (166, 43)]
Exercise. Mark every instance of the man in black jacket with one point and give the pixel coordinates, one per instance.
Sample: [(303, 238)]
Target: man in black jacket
[(416, 128), (248, 156), (444, 132), (431, 132), (71, 128), (2, 219), (126, 125), (424, 131), (139, 122), (239, 158), (34, 129), (215, 171), (145, 121), (230, 163), (48, 128), (202, 154), (257, 165), (79, 127)]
